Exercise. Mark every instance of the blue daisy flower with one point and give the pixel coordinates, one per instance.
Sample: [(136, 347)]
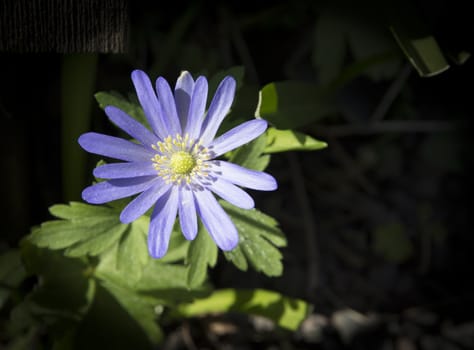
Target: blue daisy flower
[(174, 167)]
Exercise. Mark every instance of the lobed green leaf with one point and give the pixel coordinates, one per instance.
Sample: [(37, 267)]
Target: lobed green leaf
[(84, 229), (260, 238), (132, 254)]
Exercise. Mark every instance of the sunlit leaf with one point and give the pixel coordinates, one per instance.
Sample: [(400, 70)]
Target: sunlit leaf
[(98, 243), (286, 312), (289, 140), (85, 229), (259, 238)]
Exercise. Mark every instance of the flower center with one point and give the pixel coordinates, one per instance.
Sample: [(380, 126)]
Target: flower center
[(181, 160), (182, 163)]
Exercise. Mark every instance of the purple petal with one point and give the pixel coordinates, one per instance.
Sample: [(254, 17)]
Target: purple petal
[(161, 224), (125, 170), (218, 109), (130, 126), (113, 147), (238, 136), (197, 108), (168, 105), (111, 190), (182, 95), (256, 180), (232, 194), (149, 102), (187, 214), (216, 221), (143, 202)]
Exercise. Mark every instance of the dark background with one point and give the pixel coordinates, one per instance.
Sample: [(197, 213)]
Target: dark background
[(378, 223)]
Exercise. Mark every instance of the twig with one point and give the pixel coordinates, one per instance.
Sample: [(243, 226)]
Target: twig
[(310, 231), (391, 94), (388, 126)]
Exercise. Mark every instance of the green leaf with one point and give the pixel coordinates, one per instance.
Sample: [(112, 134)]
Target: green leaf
[(95, 245), (141, 309), (113, 98), (391, 242), (238, 258), (178, 247), (423, 52), (77, 210), (165, 283), (201, 254), (251, 155), (84, 229), (118, 319), (132, 253), (65, 289), (159, 276), (292, 104), (12, 273), (259, 239), (289, 140), (286, 312)]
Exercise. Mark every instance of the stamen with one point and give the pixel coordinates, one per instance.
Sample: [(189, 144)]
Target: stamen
[(181, 160)]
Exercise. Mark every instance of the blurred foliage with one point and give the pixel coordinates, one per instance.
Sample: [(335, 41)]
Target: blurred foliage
[(387, 195)]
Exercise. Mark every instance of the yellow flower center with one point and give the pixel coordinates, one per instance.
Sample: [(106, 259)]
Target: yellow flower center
[(182, 163), (180, 160)]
